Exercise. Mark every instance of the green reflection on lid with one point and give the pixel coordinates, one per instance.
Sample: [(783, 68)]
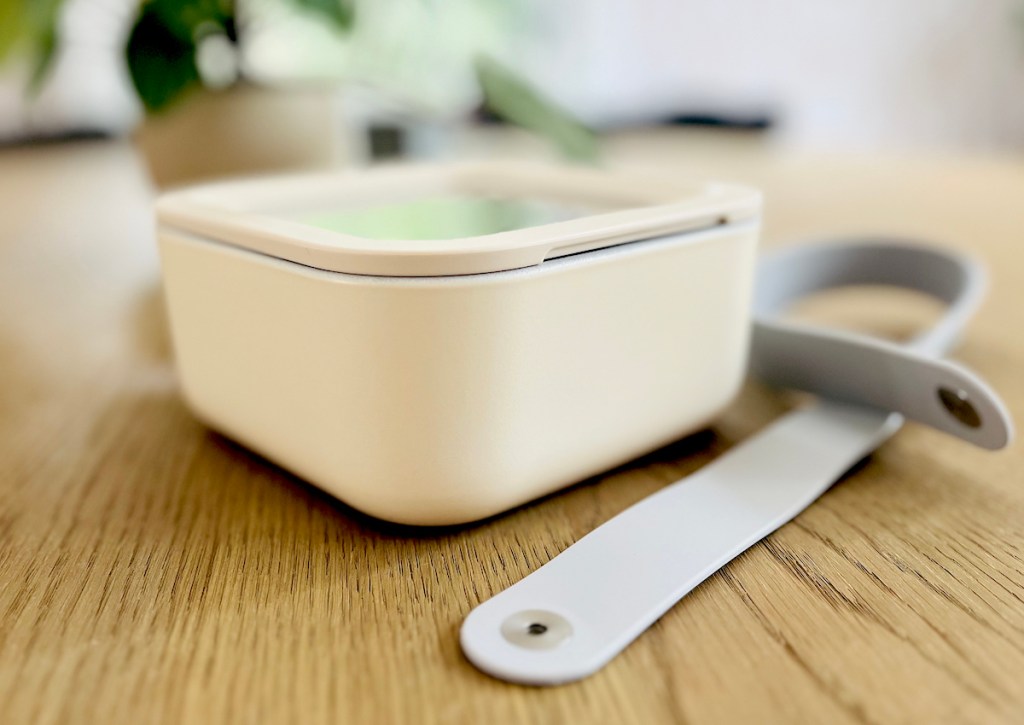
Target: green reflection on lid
[(449, 217)]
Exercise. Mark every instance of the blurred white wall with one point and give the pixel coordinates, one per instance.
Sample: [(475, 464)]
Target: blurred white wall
[(88, 87), (863, 74)]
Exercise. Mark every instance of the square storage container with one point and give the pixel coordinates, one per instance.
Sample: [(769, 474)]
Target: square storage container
[(437, 344)]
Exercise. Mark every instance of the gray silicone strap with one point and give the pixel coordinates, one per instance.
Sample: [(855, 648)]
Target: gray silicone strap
[(573, 615), (853, 368)]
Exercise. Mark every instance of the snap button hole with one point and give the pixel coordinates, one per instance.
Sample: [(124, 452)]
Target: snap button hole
[(957, 403)]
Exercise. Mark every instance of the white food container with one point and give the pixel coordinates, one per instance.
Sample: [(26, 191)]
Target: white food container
[(434, 345)]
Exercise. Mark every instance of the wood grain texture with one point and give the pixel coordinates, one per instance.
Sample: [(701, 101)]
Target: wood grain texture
[(151, 571)]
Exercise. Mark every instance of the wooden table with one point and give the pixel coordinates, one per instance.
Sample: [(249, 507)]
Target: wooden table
[(153, 571)]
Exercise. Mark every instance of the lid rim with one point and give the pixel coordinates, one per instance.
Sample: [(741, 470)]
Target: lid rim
[(196, 211)]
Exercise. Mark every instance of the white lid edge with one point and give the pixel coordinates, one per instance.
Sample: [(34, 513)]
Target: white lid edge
[(218, 211)]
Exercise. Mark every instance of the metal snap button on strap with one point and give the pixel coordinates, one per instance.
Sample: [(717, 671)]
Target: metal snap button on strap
[(574, 614), (536, 629)]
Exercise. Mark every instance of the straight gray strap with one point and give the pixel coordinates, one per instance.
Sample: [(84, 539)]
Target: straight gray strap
[(573, 615)]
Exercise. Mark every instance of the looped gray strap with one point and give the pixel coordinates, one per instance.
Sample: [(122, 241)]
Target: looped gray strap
[(573, 615), (905, 378)]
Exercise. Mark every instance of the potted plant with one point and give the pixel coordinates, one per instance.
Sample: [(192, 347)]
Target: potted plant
[(208, 113)]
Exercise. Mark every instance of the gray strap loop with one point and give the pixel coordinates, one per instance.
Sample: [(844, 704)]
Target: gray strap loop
[(909, 379)]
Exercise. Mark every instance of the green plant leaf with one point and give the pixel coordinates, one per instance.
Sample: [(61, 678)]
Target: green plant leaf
[(161, 56), (185, 19), (12, 26), (43, 61), (512, 98), (30, 27), (339, 12)]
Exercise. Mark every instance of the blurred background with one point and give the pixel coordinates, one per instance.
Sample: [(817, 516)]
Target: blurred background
[(212, 87)]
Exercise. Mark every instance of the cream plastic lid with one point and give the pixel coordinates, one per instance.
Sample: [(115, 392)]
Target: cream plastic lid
[(528, 212)]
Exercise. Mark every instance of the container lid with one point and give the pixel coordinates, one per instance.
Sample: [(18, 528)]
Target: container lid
[(430, 220)]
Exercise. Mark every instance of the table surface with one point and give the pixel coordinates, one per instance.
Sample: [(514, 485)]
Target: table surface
[(151, 570)]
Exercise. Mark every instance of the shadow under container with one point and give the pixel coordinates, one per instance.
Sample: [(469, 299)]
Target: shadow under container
[(437, 344)]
